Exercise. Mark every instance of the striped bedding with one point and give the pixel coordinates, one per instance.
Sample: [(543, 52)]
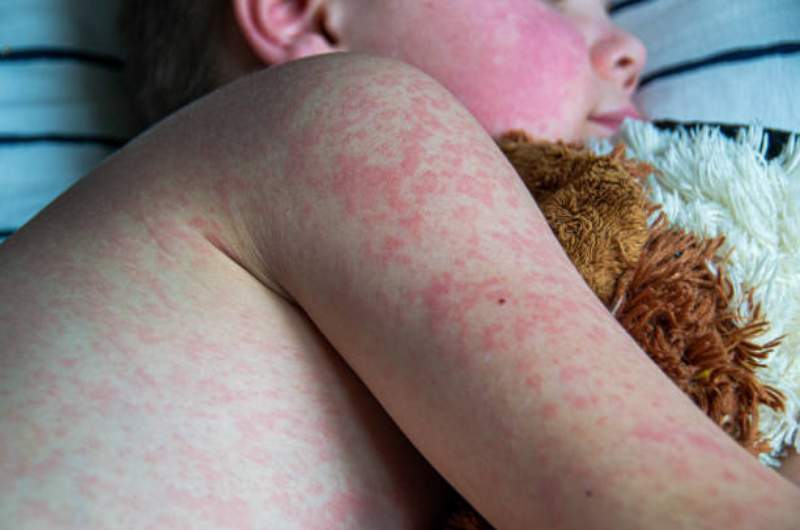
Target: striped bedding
[(718, 61), (63, 106), (731, 62)]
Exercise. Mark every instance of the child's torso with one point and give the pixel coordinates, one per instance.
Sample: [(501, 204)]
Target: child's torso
[(148, 361)]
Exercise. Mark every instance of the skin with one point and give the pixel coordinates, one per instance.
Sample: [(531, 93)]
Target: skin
[(249, 326), (547, 67)]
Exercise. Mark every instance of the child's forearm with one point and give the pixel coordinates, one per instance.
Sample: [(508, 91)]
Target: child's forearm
[(425, 262)]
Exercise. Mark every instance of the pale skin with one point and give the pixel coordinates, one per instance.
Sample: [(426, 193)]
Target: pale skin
[(249, 326)]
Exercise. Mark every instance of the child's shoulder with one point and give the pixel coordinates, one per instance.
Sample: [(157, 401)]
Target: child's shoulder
[(341, 78), (347, 65)]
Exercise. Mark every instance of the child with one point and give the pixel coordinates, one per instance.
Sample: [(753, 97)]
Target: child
[(564, 73), (238, 319)]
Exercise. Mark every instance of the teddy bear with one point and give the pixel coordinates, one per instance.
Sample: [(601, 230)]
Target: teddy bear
[(668, 288)]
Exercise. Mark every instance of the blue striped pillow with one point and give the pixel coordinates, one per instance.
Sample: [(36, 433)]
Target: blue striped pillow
[(718, 61), (63, 105)]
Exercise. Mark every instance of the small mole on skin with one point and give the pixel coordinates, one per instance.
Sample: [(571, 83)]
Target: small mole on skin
[(588, 493), (501, 301)]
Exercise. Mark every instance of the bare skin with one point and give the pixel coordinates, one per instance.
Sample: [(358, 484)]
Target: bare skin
[(218, 328), (790, 466)]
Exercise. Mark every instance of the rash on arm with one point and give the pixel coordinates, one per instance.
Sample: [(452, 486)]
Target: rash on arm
[(407, 238)]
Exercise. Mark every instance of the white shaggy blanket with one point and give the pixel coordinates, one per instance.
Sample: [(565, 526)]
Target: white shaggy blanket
[(712, 185)]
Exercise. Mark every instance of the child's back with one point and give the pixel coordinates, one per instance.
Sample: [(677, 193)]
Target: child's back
[(183, 392)]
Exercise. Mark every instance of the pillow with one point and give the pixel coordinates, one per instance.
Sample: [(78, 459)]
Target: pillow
[(732, 63), (718, 61), (63, 104)]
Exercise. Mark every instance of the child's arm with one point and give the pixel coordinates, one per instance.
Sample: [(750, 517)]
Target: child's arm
[(385, 211)]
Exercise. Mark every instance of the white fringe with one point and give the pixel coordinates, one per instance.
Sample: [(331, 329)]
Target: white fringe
[(710, 185)]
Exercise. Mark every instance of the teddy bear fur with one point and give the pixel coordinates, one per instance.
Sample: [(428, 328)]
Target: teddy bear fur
[(667, 288)]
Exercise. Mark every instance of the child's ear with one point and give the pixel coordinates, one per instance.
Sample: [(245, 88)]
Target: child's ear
[(279, 31)]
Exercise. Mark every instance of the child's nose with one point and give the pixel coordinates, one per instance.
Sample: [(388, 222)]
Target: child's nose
[(619, 57)]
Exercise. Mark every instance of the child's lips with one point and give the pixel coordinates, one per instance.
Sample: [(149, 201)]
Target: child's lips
[(613, 120)]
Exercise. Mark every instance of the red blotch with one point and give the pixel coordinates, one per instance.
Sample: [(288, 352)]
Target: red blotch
[(491, 340), (598, 334), (340, 509), (413, 224), (534, 382), (198, 223), (465, 213), (648, 433), (541, 316), (391, 252), (583, 402), (448, 301), (550, 410), (570, 374), (730, 476), (703, 442), (477, 187), (680, 467)]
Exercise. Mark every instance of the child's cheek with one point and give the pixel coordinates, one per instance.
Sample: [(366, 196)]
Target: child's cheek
[(529, 71)]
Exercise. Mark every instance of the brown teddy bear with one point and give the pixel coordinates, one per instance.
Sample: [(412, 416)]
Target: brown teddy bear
[(655, 279)]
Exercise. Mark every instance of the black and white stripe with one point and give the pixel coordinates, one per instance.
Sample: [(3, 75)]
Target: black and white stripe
[(44, 53), (620, 5), (63, 103), (726, 57), (717, 60), (61, 138)]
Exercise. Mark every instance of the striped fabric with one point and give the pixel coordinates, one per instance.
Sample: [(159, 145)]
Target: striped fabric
[(718, 61), (63, 106)]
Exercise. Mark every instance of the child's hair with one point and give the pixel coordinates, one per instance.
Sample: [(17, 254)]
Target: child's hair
[(171, 48)]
